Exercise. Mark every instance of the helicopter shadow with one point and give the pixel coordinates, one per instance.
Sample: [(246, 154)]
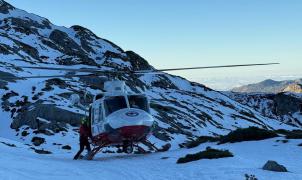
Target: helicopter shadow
[(124, 156)]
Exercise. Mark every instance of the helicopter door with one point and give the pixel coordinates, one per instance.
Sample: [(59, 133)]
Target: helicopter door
[(97, 123)]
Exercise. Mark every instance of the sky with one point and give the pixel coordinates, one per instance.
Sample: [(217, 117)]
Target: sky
[(178, 33)]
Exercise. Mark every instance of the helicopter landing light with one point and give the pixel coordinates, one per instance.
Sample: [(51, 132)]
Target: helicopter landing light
[(132, 114)]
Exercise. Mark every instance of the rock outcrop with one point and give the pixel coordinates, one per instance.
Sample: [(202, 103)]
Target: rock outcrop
[(296, 88), (274, 166)]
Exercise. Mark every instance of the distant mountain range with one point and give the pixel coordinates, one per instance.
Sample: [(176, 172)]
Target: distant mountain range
[(280, 100), (271, 86)]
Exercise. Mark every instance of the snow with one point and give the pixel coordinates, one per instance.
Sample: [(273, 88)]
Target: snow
[(187, 102), (249, 157), (264, 104)]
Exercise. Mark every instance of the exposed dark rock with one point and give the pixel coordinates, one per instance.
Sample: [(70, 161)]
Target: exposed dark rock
[(3, 81), (33, 52), (5, 74), (164, 83), (294, 134), (57, 82), (137, 62), (274, 166), (24, 133), (200, 140), (50, 44), (57, 144), (168, 114), (8, 144), (84, 32), (23, 102), (209, 153), (283, 141), (85, 35), (45, 132), (41, 151), (28, 26), (37, 141), (282, 106), (57, 117), (5, 7), (66, 147), (164, 158), (250, 177), (5, 49), (286, 104), (68, 46), (247, 134), (110, 55)]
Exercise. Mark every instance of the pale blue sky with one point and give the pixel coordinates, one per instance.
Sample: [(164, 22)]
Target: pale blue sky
[(182, 33)]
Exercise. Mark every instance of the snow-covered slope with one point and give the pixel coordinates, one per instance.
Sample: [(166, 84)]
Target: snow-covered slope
[(36, 115), (287, 107), (22, 163), (40, 107)]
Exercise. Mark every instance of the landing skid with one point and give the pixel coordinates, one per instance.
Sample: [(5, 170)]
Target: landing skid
[(97, 149), (89, 156)]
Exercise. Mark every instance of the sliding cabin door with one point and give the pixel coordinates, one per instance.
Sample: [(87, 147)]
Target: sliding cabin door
[(98, 120)]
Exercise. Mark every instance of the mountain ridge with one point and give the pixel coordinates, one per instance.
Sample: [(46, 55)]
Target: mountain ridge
[(183, 110), (270, 86)]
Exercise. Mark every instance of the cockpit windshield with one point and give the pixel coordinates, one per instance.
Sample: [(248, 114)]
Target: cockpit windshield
[(139, 102), (114, 103)]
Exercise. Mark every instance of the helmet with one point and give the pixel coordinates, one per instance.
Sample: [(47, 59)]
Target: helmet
[(84, 121)]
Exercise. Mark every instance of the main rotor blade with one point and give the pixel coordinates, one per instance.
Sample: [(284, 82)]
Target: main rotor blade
[(204, 67), (64, 69), (54, 76), (97, 71)]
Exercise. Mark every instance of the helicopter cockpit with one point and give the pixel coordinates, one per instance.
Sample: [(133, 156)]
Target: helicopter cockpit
[(115, 103), (139, 102)]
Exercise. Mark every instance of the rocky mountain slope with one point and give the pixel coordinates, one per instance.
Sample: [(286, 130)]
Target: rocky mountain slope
[(40, 107), (271, 86), (295, 87), (285, 106)]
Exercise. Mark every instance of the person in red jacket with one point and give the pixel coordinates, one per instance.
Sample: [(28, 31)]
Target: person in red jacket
[(85, 133)]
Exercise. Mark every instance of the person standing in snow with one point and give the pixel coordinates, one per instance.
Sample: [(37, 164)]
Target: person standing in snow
[(85, 133)]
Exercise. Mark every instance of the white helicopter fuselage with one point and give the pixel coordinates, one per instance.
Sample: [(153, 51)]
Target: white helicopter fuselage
[(117, 116)]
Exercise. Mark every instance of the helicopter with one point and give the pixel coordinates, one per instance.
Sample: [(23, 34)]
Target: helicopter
[(117, 117)]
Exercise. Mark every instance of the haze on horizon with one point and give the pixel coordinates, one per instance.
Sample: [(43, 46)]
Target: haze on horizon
[(193, 33)]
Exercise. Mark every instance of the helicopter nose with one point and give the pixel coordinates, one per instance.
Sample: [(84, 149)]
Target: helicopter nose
[(130, 117)]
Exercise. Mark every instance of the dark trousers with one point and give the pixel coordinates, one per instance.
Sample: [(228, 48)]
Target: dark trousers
[(83, 143)]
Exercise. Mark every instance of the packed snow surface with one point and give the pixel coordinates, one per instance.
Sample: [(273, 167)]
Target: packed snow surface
[(22, 163)]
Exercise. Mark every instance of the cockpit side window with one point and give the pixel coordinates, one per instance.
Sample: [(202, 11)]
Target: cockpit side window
[(114, 103), (138, 102)]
